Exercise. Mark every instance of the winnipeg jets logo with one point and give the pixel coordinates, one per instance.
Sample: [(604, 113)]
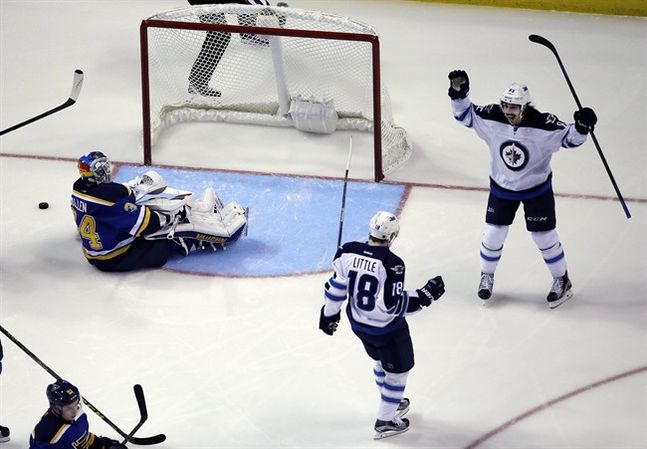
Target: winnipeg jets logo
[(398, 269), (514, 155)]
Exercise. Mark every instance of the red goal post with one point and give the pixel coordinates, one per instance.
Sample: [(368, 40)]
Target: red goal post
[(286, 52)]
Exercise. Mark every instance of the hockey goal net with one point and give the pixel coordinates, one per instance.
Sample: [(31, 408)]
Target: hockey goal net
[(268, 66)]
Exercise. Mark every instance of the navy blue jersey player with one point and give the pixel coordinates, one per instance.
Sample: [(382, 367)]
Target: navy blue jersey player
[(111, 224), (65, 424), (521, 141), (371, 277)]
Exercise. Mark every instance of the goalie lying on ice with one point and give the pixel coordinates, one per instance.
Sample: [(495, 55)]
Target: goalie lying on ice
[(139, 224)]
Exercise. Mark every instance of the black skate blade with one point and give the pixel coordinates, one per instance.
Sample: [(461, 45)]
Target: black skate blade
[(558, 302), (401, 413), (388, 433)]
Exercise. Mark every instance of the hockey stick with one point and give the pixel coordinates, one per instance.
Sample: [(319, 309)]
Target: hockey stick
[(546, 43), (143, 412), (76, 89), (343, 195), (141, 403)]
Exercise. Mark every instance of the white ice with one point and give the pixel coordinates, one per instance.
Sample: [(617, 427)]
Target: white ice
[(239, 363)]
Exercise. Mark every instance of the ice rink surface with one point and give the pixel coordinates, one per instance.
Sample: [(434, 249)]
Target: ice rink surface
[(238, 362)]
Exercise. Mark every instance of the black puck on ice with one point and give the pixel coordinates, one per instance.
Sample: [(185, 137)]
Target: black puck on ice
[(43, 205)]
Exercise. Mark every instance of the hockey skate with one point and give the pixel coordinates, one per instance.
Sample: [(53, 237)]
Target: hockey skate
[(386, 429), (485, 286), (403, 407), (560, 292), (203, 90)]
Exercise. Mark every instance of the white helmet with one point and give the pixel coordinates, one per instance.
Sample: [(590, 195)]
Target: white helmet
[(516, 94), (384, 226)]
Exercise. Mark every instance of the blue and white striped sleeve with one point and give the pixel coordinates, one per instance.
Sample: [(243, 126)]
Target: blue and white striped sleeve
[(335, 291), (572, 138), (462, 110)]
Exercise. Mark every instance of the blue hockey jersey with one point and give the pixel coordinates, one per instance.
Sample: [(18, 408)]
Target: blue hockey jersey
[(54, 433), (108, 219)]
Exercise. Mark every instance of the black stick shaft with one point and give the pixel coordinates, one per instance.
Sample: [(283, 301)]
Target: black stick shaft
[(546, 43), (142, 441)]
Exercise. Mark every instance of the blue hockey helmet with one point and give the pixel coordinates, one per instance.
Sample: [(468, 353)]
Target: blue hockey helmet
[(95, 167), (62, 393)]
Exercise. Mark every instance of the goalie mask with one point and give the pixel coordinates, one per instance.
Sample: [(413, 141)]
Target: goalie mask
[(384, 226), (514, 101), (95, 167)]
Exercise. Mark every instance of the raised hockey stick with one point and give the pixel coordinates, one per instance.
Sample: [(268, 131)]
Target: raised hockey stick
[(76, 89), (140, 400), (546, 43), (343, 195)]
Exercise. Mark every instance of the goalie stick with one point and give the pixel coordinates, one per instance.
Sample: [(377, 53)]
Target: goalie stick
[(343, 195), (139, 395), (546, 43), (74, 94)]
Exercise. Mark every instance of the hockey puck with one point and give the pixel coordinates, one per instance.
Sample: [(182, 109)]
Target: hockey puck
[(43, 205)]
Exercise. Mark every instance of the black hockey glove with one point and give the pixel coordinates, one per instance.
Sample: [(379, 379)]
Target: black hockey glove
[(111, 444), (585, 120), (328, 324), (432, 290), (459, 84)]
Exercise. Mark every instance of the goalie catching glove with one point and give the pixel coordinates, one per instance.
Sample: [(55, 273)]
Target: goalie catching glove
[(431, 291)]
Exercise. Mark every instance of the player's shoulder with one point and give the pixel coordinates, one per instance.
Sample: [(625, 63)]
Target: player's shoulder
[(111, 192), (542, 120), (490, 112), (49, 428), (383, 253)]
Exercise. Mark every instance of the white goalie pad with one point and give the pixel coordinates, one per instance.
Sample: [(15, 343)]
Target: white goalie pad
[(311, 115), (223, 227)]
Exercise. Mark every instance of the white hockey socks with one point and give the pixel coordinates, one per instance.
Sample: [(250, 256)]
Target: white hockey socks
[(492, 246), (552, 251), (391, 391)]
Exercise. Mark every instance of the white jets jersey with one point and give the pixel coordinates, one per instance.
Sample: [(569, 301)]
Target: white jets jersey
[(372, 278), (519, 155)]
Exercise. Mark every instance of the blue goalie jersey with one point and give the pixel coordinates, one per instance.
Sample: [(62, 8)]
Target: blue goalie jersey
[(107, 218)]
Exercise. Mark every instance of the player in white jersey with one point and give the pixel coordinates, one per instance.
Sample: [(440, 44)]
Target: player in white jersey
[(371, 277), (522, 141)]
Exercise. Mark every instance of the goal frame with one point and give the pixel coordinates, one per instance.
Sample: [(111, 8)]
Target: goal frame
[(373, 40)]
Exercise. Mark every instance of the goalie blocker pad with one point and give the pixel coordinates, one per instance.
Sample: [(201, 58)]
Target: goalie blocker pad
[(315, 116)]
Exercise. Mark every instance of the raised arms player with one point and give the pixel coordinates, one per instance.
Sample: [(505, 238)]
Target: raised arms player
[(521, 141), (371, 277)]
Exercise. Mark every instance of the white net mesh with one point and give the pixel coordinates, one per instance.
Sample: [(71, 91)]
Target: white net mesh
[(198, 75)]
